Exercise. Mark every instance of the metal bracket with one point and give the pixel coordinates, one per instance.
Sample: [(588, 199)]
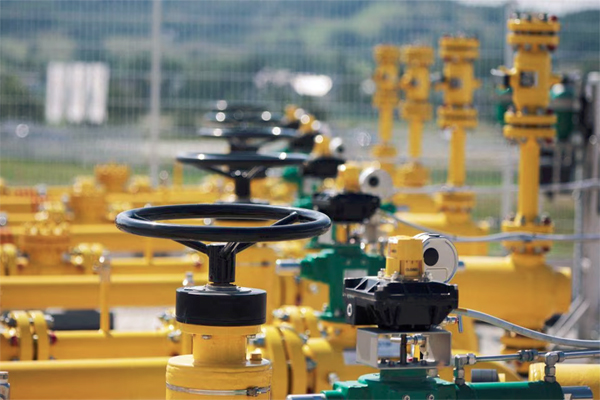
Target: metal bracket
[(383, 349)]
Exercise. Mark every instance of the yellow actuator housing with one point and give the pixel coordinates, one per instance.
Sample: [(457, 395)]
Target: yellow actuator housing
[(404, 258)]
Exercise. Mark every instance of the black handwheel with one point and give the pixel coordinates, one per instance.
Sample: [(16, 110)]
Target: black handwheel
[(220, 303), (242, 167), (226, 113), (249, 138)]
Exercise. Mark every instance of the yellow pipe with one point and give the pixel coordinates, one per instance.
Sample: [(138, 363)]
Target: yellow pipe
[(456, 166), (529, 180), (127, 378), (112, 344), (143, 378), (30, 339), (415, 135), (571, 375), (74, 345), (386, 123), (104, 275), (82, 292)]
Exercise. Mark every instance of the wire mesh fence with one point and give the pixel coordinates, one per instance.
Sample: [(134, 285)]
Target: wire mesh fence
[(242, 50)]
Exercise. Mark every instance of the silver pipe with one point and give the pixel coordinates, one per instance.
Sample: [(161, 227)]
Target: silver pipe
[(498, 237), (526, 332)]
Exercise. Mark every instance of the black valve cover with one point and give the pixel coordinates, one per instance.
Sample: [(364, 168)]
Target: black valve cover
[(394, 305), (346, 207)]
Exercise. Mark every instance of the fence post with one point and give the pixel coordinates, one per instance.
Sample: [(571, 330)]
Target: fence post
[(590, 327), (155, 81)]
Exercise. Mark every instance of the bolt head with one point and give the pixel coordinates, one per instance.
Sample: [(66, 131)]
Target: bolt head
[(256, 356)]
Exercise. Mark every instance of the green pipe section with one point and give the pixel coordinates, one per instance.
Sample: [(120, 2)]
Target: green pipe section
[(397, 384)]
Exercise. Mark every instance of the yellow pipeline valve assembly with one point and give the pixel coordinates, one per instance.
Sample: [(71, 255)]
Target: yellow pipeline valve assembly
[(415, 83), (454, 203), (385, 99), (220, 315)]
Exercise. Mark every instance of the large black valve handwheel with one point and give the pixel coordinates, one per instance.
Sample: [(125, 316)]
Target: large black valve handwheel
[(242, 167), (220, 303), (249, 138)]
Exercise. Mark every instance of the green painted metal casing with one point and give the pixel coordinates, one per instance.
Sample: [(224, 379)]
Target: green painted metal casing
[(334, 263), (415, 384)]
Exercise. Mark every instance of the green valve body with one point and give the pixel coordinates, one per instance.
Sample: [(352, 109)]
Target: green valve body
[(416, 385), (334, 263)]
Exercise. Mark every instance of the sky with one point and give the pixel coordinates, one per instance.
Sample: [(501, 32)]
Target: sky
[(551, 6)]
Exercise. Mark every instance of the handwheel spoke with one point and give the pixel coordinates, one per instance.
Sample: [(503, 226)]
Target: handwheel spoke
[(195, 245), (254, 171), (290, 219)]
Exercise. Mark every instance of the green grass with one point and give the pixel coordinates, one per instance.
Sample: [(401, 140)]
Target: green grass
[(26, 172)]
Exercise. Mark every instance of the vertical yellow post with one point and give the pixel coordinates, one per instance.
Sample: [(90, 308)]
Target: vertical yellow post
[(456, 166), (178, 175), (386, 123), (104, 274), (458, 114), (415, 138), (385, 99), (529, 179)]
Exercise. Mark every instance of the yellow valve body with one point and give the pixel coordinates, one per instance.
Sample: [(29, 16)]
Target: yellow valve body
[(504, 287), (112, 176), (88, 201), (45, 242), (218, 366)]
